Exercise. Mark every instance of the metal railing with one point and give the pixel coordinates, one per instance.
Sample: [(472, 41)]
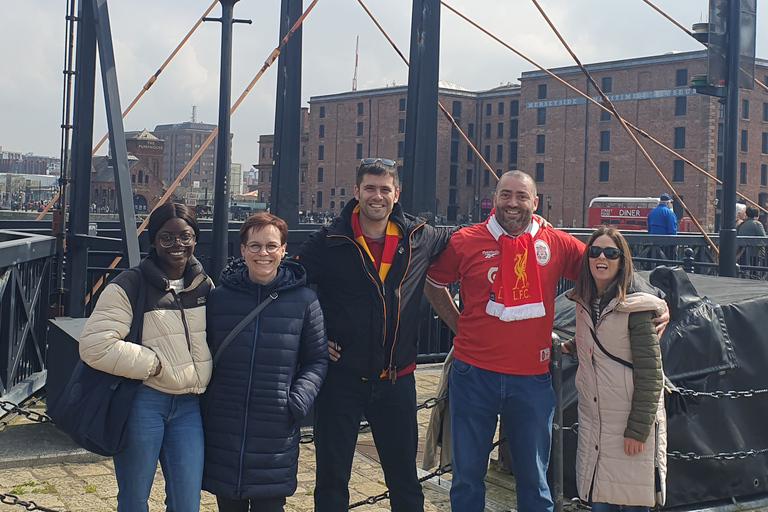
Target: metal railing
[(25, 277)]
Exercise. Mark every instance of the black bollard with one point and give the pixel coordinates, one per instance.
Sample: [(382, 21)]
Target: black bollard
[(556, 454)]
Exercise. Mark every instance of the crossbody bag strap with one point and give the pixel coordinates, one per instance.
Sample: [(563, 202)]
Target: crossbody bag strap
[(138, 307), (239, 327), (610, 356)]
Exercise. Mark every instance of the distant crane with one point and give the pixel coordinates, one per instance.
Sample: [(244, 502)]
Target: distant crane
[(354, 78)]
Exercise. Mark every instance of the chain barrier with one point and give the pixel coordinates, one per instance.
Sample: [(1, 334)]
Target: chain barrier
[(430, 403), (370, 500), (720, 394), (689, 456), (576, 504), (716, 456), (574, 428), (12, 408), (11, 499)]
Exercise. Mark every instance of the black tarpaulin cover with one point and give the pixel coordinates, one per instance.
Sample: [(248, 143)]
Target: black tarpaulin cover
[(717, 340)]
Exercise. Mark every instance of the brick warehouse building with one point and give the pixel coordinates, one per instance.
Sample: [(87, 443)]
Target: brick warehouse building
[(182, 141), (145, 162), (574, 151), (343, 128)]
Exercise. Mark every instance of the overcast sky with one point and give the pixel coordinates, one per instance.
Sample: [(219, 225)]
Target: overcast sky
[(146, 31)]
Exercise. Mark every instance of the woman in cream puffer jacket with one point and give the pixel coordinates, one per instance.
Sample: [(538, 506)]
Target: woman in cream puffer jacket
[(173, 361), (621, 457)]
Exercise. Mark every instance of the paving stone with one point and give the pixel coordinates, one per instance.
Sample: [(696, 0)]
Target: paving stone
[(85, 470), (86, 503), (68, 480)]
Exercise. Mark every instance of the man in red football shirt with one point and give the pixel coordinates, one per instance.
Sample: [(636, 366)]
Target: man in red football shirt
[(509, 267)]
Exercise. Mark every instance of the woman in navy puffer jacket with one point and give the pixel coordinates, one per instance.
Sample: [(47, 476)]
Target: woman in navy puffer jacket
[(266, 378)]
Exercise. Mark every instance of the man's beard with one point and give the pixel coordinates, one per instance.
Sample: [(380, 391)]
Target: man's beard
[(514, 226)]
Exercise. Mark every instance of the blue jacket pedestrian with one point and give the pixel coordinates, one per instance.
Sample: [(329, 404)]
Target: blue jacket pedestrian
[(661, 219)]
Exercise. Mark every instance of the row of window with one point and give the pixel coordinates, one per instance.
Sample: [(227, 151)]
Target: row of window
[(678, 172), (361, 109), (743, 140), (745, 110), (143, 178)]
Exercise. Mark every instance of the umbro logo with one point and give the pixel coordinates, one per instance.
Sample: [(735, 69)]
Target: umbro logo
[(490, 254)]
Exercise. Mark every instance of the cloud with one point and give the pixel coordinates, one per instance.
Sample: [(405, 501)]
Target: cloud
[(146, 31)]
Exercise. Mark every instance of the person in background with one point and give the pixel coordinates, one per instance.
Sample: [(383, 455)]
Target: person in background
[(266, 378), (661, 219), (173, 360), (751, 226), (755, 256), (741, 214), (621, 458)]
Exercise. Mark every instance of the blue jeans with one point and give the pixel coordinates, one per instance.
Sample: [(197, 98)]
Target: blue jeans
[(526, 404), (607, 507), (391, 412), (168, 428)]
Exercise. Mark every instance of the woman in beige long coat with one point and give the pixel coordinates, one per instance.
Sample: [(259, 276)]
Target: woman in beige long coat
[(621, 458)]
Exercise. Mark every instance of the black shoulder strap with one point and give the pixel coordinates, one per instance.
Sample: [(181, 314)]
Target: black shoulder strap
[(138, 305), (610, 356), (239, 327)]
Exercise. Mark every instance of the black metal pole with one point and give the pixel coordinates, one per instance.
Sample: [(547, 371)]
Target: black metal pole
[(557, 424), (80, 175), (287, 144), (219, 245), (118, 150), (730, 154), (420, 159)]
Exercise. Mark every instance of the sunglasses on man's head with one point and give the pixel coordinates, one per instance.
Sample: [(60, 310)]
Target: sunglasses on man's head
[(611, 253), (371, 161)]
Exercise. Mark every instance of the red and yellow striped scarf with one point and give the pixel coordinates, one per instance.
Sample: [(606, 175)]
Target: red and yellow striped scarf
[(390, 243)]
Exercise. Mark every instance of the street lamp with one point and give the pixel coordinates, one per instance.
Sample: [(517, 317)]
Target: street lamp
[(313, 205), (549, 205)]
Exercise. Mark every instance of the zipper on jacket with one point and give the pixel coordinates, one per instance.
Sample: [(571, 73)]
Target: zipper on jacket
[(247, 403), (177, 300), (392, 367), (376, 281)]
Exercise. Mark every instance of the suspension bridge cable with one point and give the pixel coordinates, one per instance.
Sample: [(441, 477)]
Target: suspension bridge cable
[(439, 104), (267, 63), (144, 89), (592, 100), (153, 78), (626, 128), (678, 25)]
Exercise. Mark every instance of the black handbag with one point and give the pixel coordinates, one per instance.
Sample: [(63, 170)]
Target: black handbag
[(94, 406)]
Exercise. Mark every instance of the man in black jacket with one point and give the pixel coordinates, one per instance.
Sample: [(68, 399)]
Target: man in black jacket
[(369, 266)]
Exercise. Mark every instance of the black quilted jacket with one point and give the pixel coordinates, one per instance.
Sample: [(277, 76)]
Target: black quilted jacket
[(265, 381)]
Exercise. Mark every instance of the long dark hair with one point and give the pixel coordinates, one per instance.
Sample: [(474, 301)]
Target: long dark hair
[(169, 211), (585, 288)]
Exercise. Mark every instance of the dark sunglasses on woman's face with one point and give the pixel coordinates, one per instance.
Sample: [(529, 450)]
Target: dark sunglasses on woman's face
[(611, 253)]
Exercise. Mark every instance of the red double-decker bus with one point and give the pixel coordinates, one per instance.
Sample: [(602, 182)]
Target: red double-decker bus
[(620, 212)]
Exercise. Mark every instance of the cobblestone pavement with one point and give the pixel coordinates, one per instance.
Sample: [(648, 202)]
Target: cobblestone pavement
[(91, 487)]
